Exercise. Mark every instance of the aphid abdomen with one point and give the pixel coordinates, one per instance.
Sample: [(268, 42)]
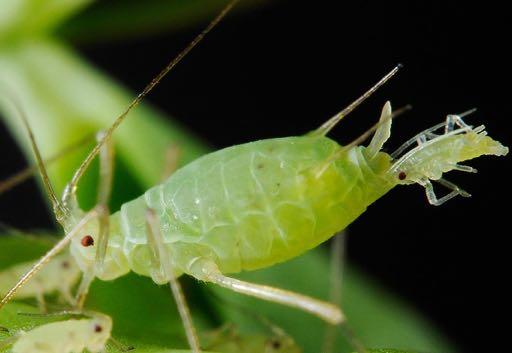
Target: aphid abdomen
[(252, 205)]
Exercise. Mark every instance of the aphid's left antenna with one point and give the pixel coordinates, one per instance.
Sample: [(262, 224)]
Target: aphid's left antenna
[(71, 187), (329, 124), (58, 208)]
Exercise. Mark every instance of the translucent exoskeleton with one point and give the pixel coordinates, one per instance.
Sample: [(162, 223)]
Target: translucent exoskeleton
[(249, 206), (67, 336)]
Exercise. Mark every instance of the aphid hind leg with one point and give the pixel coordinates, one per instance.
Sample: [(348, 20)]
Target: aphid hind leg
[(207, 270), (162, 264)]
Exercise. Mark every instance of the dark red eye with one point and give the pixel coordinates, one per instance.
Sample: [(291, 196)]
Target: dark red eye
[(402, 175), (276, 344), (87, 241), (98, 328)]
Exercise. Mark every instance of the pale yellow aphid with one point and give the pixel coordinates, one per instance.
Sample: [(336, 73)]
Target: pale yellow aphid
[(58, 276), (68, 336)]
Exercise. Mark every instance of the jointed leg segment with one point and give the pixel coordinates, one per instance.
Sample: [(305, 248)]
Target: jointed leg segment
[(162, 264), (208, 271)]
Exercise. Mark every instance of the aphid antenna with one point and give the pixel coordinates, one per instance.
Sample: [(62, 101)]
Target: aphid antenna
[(331, 123), (361, 138), (59, 210), (71, 187), (69, 313), (467, 112)]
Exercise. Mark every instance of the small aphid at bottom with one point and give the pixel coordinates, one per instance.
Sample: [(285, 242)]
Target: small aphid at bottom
[(68, 336)]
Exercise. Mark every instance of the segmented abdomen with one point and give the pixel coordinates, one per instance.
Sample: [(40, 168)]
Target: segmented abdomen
[(248, 206)]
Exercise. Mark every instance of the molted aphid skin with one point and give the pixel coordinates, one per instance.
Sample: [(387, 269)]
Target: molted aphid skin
[(59, 275), (69, 336)]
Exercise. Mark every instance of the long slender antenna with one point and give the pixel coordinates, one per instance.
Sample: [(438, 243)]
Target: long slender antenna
[(361, 138), (58, 209), (329, 124), (24, 174), (71, 187)]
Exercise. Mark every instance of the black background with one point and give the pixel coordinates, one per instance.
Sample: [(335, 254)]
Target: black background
[(284, 68)]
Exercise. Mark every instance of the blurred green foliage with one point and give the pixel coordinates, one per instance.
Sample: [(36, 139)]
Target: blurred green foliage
[(66, 99)]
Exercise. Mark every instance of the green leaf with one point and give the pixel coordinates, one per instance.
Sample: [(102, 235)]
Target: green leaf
[(30, 18)]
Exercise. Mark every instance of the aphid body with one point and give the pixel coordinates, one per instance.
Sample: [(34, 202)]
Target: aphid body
[(68, 336), (59, 275), (227, 339)]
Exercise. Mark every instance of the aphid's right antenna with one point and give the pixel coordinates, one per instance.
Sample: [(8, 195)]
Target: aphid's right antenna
[(58, 208), (71, 187), (329, 124)]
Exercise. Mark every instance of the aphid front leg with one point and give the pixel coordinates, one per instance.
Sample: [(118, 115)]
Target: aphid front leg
[(162, 264), (106, 157), (207, 270)]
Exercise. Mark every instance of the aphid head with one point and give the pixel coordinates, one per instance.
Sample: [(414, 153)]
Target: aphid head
[(281, 344), (438, 150), (100, 329)]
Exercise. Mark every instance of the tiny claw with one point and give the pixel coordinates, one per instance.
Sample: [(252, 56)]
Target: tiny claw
[(464, 193)]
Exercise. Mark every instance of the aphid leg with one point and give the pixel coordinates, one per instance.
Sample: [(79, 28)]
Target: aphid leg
[(162, 264), (383, 131), (172, 157), (41, 303), (336, 273), (89, 274), (106, 156), (49, 255), (119, 346), (65, 293), (207, 270), (431, 196), (456, 119)]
